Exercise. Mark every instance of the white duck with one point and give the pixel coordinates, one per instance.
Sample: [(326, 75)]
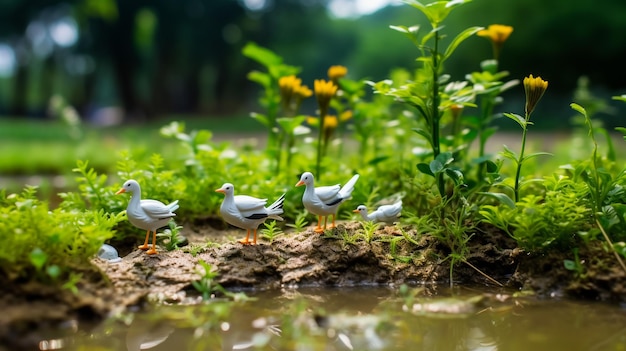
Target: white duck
[(149, 215), (324, 201), (247, 212), (385, 213)]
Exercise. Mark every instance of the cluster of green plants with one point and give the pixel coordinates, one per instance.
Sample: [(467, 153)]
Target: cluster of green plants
[(421, 135)]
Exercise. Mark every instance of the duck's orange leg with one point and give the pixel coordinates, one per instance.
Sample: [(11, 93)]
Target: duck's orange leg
[(254, 241), (333, 224), (246, 240), (153, 250), (319, 227), (145, 243)]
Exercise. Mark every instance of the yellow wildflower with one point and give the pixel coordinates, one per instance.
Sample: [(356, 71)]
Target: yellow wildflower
[(345, 115), (287, 85), (324, 91), (534, 88), (336, 72), (498, 34), (303, 91), (292, 92), (330, 122)]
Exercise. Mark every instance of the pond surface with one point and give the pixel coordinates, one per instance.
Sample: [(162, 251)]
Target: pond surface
[(365, 318)]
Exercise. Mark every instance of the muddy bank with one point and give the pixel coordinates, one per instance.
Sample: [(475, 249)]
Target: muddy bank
[(340, 257)]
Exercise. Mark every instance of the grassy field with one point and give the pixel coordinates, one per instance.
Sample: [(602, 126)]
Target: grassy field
[(44, 152)]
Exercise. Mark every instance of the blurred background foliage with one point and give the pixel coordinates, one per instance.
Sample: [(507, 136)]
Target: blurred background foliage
[(140, 60)]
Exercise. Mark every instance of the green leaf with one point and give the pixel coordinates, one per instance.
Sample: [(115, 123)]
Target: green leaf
[(53, 271), (289, 124), (426, 38), (436, 166), (620, 247), (503, 198), (508, 153), (426, 134), (529, 156), (262, 55), (621, 129), (377, 160), (492, 167), (569, 265), (620, 98), (261, 118), (203, 136), (517, 118), (282, 70), (424, 168), (410, 32), (437, 11), (38, 258), (578, 108), (459, 39), (445, 158), (455, 174), (264, 79)]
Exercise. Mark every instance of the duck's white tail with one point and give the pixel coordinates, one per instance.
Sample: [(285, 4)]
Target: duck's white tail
[(275, 209), (397, 208), (346, 190), (173, 206)]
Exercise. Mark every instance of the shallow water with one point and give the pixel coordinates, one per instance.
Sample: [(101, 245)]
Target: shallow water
[(372, 318)]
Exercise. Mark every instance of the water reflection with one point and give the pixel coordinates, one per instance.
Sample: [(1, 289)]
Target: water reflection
[(367, 319)]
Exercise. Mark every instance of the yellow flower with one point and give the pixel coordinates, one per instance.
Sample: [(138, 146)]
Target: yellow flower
[(498, 34), (336, 72), (324, 91), (534, 88), (289, 83), (346, 115), (330, 122), (303, 91), (292, 92)]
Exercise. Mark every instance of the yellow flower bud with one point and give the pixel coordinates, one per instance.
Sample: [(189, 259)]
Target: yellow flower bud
[(534, 88)]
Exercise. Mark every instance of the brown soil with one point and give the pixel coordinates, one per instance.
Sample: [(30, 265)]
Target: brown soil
[(297, 259)]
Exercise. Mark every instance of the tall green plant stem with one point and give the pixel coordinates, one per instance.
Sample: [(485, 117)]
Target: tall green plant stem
[(435, 114), (520, 160)]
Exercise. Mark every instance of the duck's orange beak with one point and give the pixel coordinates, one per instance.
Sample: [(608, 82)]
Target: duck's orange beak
[(299, 183), (355, 211), (122, 190), (220, 191)]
